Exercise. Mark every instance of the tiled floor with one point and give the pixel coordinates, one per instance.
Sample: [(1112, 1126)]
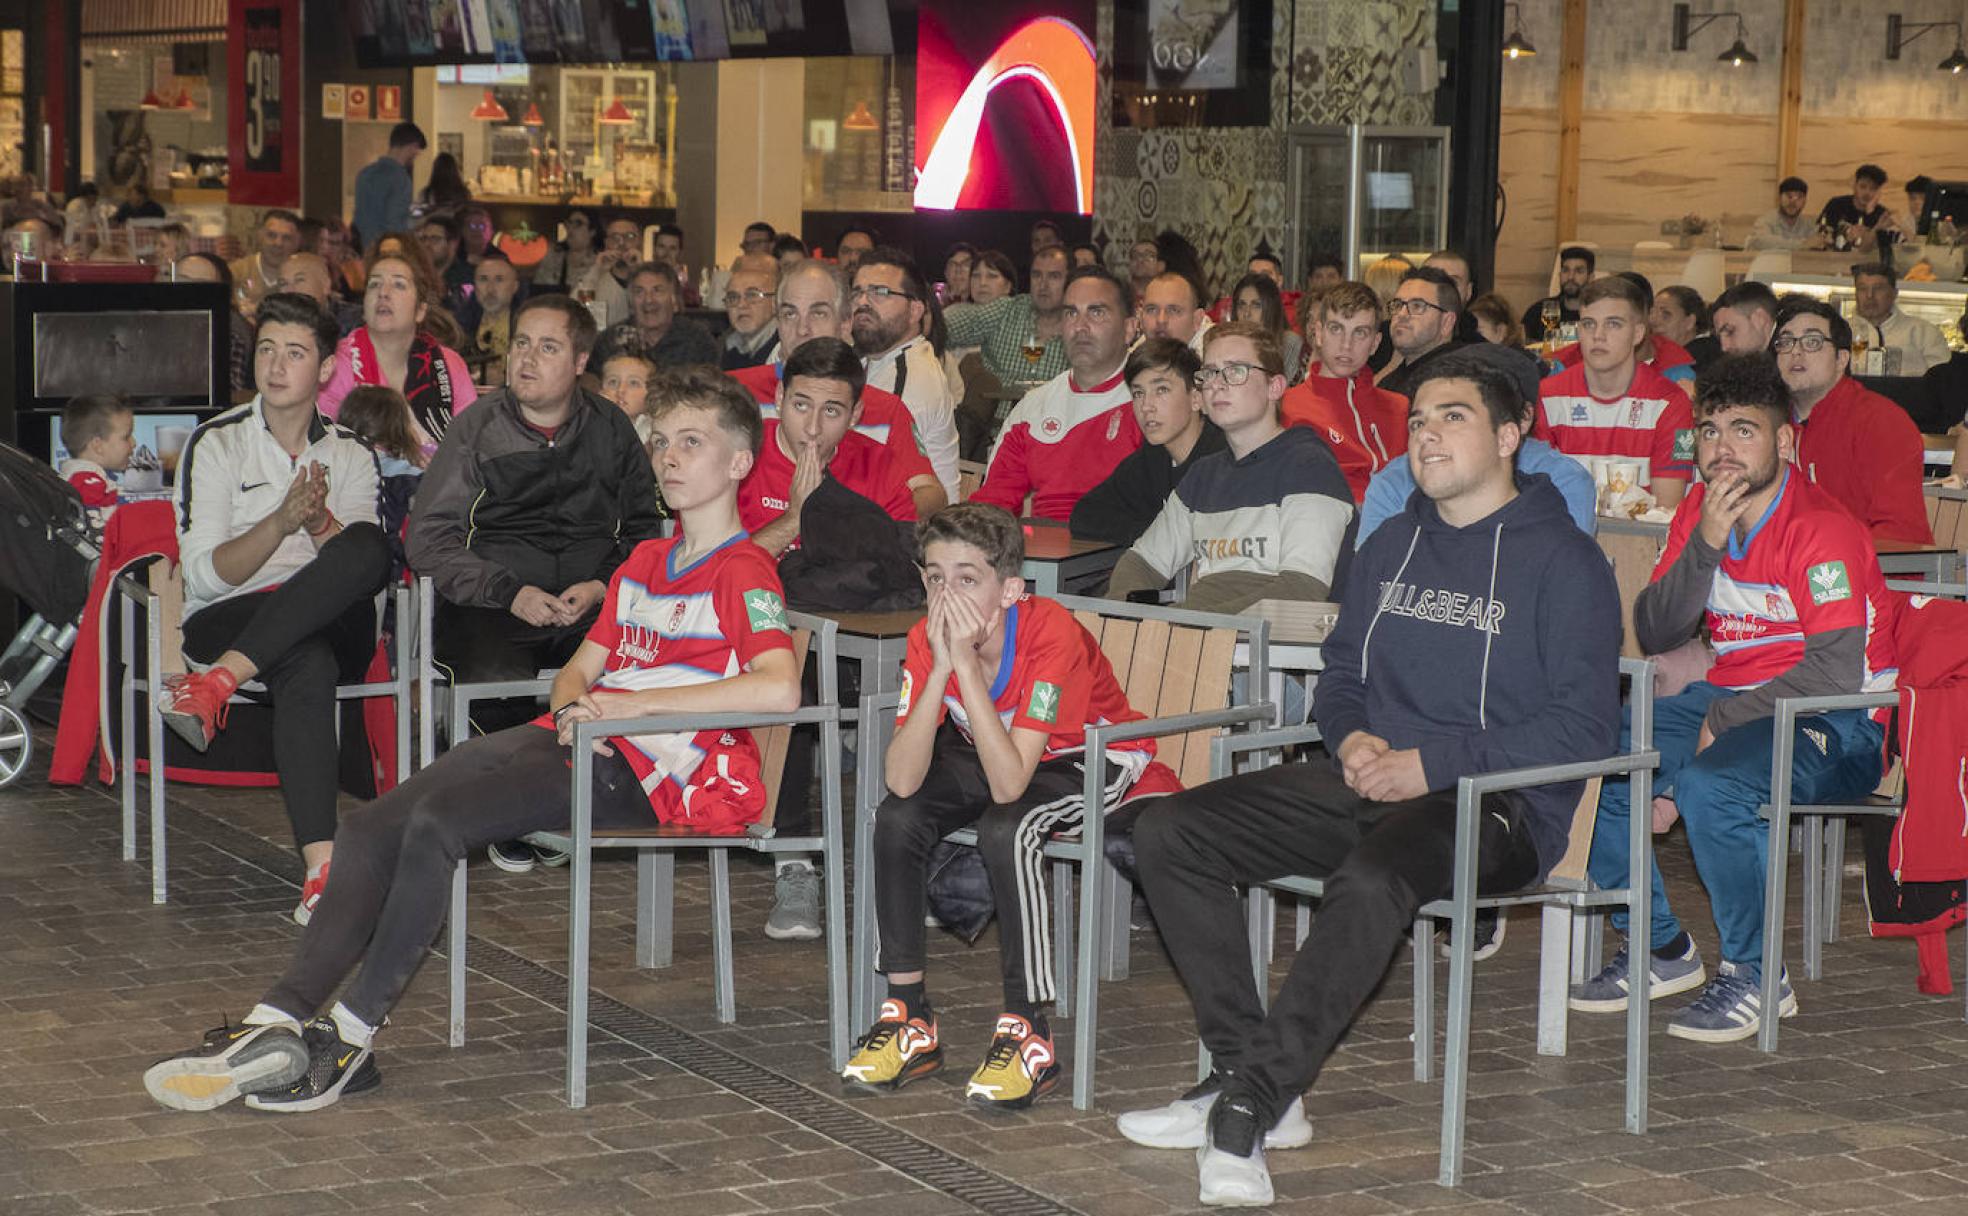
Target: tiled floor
[(1865, 1109)]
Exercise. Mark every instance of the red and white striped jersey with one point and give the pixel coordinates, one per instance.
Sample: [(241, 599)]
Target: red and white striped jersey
[(1652, 422)]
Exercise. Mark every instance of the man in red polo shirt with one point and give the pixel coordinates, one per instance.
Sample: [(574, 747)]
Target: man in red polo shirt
[(1861, 448), (1612, 407), (813, 304), (819, 401)]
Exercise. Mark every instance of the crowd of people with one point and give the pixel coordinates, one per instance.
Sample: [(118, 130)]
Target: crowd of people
[(1389, 443)]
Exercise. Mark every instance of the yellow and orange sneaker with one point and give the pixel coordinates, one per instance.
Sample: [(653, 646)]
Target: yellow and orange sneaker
[(1020, 1067), (896, 1050)]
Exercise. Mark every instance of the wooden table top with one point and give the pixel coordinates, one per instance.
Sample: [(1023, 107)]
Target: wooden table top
[(1050, 541)]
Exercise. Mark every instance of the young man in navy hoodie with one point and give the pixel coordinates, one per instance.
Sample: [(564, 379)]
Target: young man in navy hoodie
[(1479, 631)]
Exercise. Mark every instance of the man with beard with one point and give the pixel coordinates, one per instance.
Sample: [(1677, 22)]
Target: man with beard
[(1785, 227), (1784, 581), (1007, 331), (1575, 266), (1852, 443), (1421, 322), (886, 308)]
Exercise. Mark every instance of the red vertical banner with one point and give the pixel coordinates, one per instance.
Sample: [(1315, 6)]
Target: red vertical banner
[(263, 102)]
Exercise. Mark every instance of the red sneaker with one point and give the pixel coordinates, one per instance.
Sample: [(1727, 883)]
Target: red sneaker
[(194, 705), (311, 894)]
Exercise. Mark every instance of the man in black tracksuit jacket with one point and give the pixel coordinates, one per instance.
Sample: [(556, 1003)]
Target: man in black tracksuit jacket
[(1478, 631), (534, 497)]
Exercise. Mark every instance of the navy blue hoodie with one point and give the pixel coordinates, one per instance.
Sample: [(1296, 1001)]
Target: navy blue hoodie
[(1488, 647)]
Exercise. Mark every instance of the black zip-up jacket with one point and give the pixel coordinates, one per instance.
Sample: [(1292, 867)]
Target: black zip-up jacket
[(1121, 508), (502, 506)]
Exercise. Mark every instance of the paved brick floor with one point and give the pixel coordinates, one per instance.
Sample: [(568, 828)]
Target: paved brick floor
[(1862, 1111)]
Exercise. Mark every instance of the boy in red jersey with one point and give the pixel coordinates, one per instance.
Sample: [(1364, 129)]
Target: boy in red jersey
[(998, 688), (690, 624), (814, 437), (1365, 425), (1783, 580), (1614, 407)]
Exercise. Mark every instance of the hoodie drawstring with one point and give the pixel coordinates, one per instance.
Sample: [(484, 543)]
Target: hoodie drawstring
[(1489, 634), (1366, 642)]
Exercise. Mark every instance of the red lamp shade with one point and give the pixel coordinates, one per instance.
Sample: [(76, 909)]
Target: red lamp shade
[(183, 101), (860, 119), (489, 110), (617, 115), (533, 118), (151, 101)]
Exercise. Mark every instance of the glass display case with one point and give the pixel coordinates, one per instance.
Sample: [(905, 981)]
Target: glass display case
[(1941, 303), (1364, 192)]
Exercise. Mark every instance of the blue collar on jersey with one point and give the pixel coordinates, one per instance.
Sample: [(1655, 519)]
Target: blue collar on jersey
[(1006, 654), (669, 559), (1740, 550)]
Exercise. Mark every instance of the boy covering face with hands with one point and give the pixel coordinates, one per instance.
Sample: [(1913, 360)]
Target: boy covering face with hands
[(997, 690)]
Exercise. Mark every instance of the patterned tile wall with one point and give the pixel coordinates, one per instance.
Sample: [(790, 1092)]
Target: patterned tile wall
[(1224, 188)]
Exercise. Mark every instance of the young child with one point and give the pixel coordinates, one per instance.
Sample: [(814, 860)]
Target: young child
[(997, 690), (99, 431), (625, 381), (380, 417), (691, 624)]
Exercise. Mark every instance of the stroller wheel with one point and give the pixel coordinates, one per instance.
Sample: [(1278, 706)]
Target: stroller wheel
[(16, 745)]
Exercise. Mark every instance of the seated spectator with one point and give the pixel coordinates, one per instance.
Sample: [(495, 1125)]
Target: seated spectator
[(1256, 299), (391, 347), (308, 274), (211, 268), (1364, 425), (789, 251), (1324, 270), (666, 246), (1176, 433), (99, 432), (1857, 220), (607, 279), (487, 318), (1678, 315), (1856, 445), (1384, 276), (1269, 265), (1455, 264), (654, 329), (1576, 264), (442, 242), (1496, 321), (378, 417), (890, 309), (1422, 320), (1065, 436), (138, 204), (1173, 307), (1612, 407), (273, 499), (813, 304), (1657, 351), (1919, 343), (625, 382), (1785, 226), (475, 229), (1784, 581), (1008, 329), (519, 563), (337, 248), (1391, 488), (855, 240), (750, 306), (992, 278), (1084, 253), (258, 273), (956, 273), (1744, 318), (730, 651), (1411, 700), (998, 688), (173, 241), (1269, 518), (811, 438), (569, 262)]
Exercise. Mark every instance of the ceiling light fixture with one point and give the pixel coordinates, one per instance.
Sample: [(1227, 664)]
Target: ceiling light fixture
[(1687, 24), (617, 115), (489, 110), (1517, 46)]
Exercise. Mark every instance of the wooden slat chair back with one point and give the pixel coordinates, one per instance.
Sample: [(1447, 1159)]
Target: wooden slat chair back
[(1948, 515), (1167, 669), (970, 475)]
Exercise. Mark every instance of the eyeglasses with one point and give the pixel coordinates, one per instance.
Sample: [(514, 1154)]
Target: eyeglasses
[(1413, 308), (751, 295), (879, 294), (1811, 342), (1232, 374)]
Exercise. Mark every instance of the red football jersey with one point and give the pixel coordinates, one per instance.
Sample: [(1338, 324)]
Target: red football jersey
[(1807, 567), (1365, 425), (885, 418), (1051, 678), (859, 463), (1058, 442), (665, 627), (1652, 422)]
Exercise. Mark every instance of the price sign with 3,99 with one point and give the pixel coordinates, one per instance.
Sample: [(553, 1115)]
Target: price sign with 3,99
[(262, 97), (264, 118)]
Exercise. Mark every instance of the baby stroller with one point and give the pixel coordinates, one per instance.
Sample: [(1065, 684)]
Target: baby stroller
[(48, 554)]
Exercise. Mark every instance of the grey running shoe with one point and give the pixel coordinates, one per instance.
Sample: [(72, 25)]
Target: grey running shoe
[(1730, 1008), (1606, 992), (795, 912)]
